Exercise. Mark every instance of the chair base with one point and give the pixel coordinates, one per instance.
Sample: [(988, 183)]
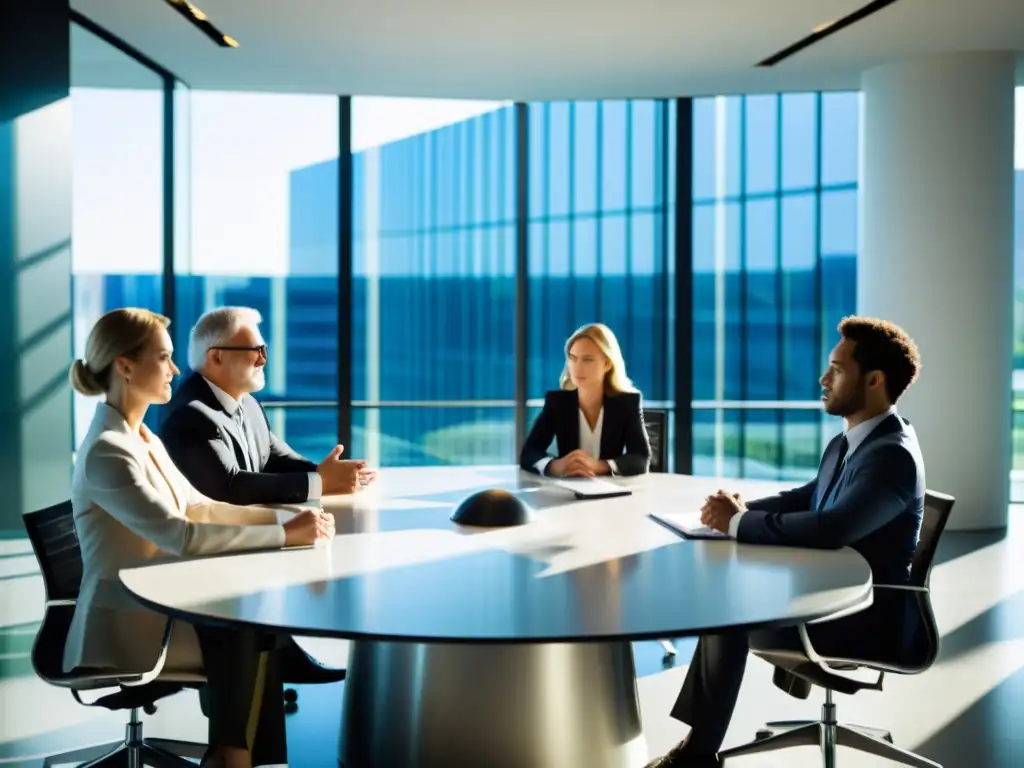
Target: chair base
[(134, 752), (118, 754), (828, 736), (138, 755), (775, 727)]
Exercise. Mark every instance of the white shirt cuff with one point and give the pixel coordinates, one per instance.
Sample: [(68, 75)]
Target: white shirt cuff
[(734, 524), (613, 466), (316, 486), (541, 465)]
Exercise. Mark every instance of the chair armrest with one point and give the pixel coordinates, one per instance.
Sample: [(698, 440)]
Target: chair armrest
[(824, 664), (862, 605), (813, 656), (148, 677), (805, 640), (85, 679), (846, 611)]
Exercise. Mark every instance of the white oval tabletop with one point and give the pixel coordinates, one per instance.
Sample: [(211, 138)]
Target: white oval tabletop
[(399, 569)]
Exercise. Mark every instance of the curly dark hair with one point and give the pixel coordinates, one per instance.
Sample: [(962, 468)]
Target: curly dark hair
[(883, 346)]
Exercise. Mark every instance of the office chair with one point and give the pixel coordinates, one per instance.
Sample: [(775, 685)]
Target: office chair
[(808, 665), (656, 422), (55, 543)]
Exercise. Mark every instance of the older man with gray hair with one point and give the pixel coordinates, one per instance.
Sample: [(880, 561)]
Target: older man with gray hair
[(218, 435)]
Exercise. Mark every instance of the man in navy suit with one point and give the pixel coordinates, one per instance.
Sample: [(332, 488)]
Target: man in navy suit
[(868, 495)]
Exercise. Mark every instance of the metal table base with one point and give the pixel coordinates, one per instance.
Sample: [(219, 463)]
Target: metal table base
[(519, 705)]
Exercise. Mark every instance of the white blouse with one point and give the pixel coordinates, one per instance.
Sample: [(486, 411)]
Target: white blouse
[(590, 439)]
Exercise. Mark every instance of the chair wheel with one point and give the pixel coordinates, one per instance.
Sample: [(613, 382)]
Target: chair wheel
[(762, 735), (291, 695), (149, 709)]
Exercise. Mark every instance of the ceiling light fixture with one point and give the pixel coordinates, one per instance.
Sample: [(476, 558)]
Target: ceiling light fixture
[(202, 22), (822, 31)]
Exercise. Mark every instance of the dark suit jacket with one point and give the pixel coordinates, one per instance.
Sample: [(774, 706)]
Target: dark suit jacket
[(623, 434), (876, 507), (206, 445)]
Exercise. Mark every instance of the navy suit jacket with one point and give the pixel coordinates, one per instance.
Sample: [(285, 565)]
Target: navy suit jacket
[(206, 445), (876, 507), (623, 434)]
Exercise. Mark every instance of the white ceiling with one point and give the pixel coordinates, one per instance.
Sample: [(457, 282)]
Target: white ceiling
[(535, 49), (95, 63)]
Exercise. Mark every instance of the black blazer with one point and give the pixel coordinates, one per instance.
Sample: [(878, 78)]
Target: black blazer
[(623, 434), (206, 445)]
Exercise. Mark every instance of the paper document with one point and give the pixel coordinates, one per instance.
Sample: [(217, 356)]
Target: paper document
[(591, 487), (687, 524)]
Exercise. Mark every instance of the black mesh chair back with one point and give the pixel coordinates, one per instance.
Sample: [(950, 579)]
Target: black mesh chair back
[(656, 422), (55, 543), (924, 638), (937, 507), (48, 648)]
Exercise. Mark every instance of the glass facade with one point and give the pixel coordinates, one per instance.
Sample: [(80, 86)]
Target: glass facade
[(601, 236), (443, 210), (774, 270), (433, 290)]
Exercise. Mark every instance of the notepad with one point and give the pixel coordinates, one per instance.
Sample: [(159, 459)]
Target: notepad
[(591, 487), (687, 524)]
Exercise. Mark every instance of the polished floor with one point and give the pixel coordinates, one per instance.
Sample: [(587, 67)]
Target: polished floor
[(964, 713)]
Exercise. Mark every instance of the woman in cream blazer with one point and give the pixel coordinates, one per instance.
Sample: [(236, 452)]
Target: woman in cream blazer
[(132, 505)]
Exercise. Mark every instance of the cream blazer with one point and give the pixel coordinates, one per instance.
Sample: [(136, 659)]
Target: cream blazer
[(132, 505)]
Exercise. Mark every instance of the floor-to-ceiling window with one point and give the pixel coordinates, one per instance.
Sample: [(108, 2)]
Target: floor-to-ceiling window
[(256, 201), (433, 295), (433, 291), (262, 231), (599, 236), (774, 270), (117, 214)]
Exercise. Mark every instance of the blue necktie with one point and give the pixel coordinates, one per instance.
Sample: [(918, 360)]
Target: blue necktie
[(837, 470)]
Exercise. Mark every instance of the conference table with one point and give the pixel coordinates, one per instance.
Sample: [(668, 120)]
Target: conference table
[(504, 646)]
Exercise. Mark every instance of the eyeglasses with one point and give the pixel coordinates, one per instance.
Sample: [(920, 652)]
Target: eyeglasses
[(259, 348)]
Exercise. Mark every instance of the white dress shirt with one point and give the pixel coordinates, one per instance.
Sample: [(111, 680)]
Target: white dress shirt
[(316, 483), (855, 437), (590, 442)]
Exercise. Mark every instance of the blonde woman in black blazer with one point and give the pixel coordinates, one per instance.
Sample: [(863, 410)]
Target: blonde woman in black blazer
[(595, 419)]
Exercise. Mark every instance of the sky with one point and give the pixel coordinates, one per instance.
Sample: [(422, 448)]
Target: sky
[(241, 150)]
